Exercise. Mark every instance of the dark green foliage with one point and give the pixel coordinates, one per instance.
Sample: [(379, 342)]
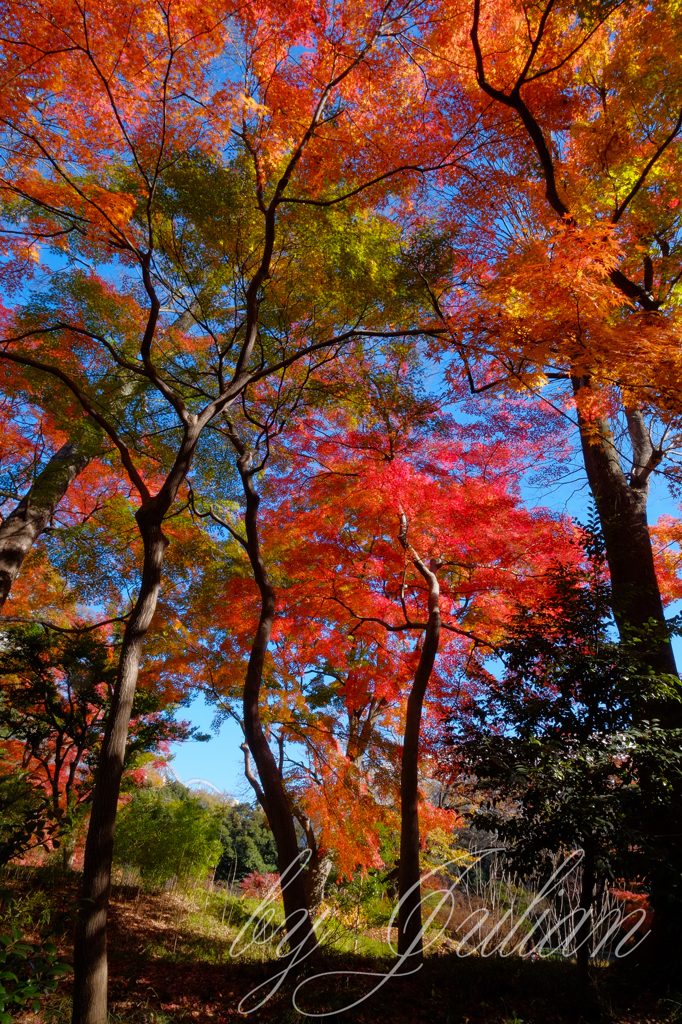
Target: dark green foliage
[(246, 839), (23, 823), (26, 973), (568, 742)]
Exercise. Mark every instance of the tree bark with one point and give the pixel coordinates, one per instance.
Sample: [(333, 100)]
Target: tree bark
[(23, 526), (319, 869), (68, 851), (409, 914), (409, 890), (90, 952), (319, 865), (583, 941), (621, 507), (272, 796), (360, 731)]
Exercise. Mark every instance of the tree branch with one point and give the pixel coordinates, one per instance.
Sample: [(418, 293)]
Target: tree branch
[(9, 620)]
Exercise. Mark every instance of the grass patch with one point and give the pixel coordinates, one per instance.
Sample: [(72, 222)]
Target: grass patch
[(170, 963)]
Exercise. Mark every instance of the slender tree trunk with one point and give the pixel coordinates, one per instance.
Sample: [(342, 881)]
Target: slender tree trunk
[(360, 731), (582, 941), (68, 851), (272, 796), (23, 526), (90, 953), (409, 914), (409, 890), (69, 829)]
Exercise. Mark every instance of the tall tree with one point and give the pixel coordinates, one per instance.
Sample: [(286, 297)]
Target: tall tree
[(342, 675), (101, 108), (584, 246)]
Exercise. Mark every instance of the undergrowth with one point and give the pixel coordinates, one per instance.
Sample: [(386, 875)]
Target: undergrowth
[(171, 963)]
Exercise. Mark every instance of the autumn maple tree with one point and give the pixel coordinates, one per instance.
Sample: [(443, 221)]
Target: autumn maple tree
[(57, 689), (228, 232), (572, 256), (101, 111), (426, 547), (345, 594), (572, 286)]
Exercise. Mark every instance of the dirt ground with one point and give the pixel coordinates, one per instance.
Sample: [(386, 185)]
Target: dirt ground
[(171, 965)]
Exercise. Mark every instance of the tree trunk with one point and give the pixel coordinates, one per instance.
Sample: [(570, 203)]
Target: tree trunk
[(23, 526), (360, 731), (409, 890), (583, 942), (409, 914), (272, 796), (621, 506), (319, 869), (69, 825), (68, 851), (90, 952), (319, 865)]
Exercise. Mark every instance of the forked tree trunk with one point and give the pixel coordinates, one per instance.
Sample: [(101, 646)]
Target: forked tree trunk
[(90, 952), (23, 526), (409, 890), (272, 795)]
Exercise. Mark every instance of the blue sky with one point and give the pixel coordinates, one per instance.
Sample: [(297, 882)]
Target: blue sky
[(218, 760)]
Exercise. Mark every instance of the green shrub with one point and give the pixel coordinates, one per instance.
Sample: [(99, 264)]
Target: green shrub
[(26, 973), (167, 838)]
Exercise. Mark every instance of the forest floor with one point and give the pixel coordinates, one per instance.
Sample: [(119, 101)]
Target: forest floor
[(170, 963)]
